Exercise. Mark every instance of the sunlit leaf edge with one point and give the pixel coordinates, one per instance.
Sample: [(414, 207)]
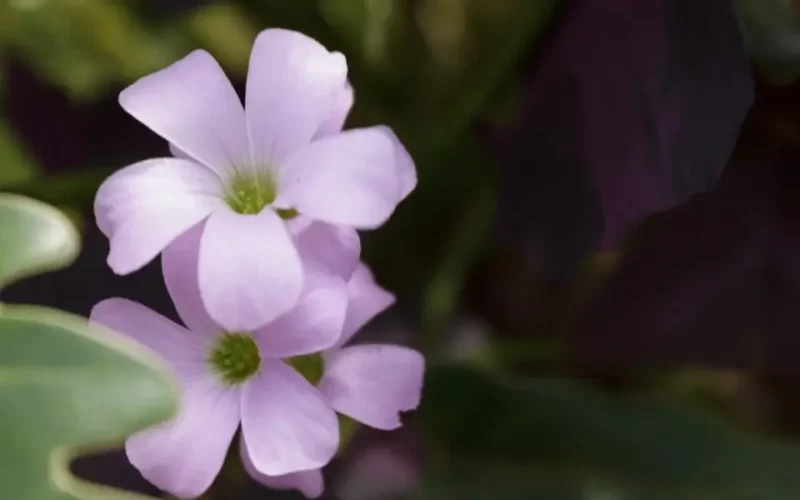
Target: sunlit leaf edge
[(62, 254)]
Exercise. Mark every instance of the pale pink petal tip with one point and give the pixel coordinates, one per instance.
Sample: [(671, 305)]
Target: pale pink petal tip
[(341, 108), (403, 163), (193, 105), (310, 483), (374, 383), (292, 88), (145, 206), (347, 179), (367, 300)]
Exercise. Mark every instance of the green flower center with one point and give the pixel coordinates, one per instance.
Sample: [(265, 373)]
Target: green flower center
[(235, 357), (310, 366), (250, 193)]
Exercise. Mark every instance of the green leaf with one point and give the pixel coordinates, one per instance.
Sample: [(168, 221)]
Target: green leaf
[(15, 164), (67, 387), (571, 428), (34, 238), (771, 29), (477, 483)]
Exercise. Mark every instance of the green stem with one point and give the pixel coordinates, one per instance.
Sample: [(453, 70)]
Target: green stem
[(465, 246), (500, 69)]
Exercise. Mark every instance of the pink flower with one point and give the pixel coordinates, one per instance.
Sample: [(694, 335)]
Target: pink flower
[(269, 380), (243, 174), (370, 383)]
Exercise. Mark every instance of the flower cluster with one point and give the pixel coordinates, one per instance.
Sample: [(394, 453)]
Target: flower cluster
[(255, 217)]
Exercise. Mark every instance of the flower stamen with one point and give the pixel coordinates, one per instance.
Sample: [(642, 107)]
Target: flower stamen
[(235, 357), (248, 194)]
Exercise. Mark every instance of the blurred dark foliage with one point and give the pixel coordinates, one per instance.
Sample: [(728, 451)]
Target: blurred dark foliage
[(633, 108), (646, 238), (638, 446), (706, 283)]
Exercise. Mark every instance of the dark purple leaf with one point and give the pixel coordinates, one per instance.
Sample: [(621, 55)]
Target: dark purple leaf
[(713, 282), (634, 107)]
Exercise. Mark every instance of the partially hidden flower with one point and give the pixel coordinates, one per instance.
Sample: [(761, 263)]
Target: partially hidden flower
[(243, 172), (370, 383), (283, 383)]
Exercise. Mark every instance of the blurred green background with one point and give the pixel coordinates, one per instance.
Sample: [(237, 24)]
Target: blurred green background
[(495, 423)]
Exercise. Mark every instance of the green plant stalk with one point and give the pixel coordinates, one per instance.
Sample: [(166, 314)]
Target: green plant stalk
[(445, 287)]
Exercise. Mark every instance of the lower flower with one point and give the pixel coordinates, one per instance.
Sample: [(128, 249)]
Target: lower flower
[(283, 383)]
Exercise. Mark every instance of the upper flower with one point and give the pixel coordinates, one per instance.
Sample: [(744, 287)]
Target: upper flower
[(243, 172)]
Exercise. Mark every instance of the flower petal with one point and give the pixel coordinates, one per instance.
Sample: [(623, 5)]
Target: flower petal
[(178, 153), (145, 206), (292, 85), (313, 325), (298, 224), (374, 383), (367, 300), (310, 482), (348, 179), (184, 455), (249, 270), (287, 425), (179, 263), (328, 248), (192, 104), (180, 348), (341, 108), (404, 164)]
